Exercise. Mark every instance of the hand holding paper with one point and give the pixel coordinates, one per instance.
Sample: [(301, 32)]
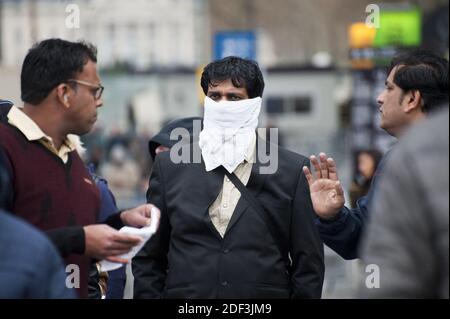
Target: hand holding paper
[(145, 232)]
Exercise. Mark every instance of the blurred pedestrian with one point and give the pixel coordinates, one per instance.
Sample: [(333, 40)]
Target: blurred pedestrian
[(366, 164), (122, 174), (108, 285), (408, 233), (416, 86)]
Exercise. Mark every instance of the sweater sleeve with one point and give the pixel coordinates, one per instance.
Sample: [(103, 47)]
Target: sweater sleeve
[(68, 240), (115, 221), (71, 240)]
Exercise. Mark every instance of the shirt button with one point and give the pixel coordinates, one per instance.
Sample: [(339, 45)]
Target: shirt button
[(225, 283), (227, 180), (225, 205)]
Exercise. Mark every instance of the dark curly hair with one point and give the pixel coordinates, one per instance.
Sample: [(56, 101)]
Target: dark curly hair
[(243, 73)]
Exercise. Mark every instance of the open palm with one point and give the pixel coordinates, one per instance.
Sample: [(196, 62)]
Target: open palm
[(327, 195)]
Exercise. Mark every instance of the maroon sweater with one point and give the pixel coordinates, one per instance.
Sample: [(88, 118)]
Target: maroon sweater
[(49, 193)]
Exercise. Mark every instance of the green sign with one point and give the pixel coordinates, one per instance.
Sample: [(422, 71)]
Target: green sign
[(399, 28)]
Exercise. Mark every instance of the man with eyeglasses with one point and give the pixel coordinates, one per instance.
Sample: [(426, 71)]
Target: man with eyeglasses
[(97, 91), (51, 188)]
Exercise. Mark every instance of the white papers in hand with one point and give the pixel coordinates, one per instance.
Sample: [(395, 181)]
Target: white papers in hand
[(145, 232)]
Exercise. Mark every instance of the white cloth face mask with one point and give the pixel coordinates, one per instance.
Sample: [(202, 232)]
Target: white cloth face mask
[(228, 130)]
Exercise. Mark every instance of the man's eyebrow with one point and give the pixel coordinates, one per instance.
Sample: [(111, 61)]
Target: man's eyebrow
[(227, 94)]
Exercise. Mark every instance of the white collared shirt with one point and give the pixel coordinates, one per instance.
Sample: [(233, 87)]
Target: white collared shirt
[(33, 132), (223, 207)]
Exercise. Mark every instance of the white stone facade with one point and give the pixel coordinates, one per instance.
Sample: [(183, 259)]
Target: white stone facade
[(143, 33)]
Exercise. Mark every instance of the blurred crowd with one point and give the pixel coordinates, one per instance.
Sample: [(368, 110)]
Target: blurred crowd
[(123, 159)]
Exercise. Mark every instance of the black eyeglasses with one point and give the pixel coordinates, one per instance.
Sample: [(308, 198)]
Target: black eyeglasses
[(98, 89)]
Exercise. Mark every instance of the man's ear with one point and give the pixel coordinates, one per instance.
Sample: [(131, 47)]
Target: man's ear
[(414, 101), (63, 95)]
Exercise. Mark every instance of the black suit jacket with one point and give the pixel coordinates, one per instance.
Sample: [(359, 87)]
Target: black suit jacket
[(188, 258)]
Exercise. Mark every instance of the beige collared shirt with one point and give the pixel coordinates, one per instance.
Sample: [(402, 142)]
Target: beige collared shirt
[(223, 207), (33, 132)]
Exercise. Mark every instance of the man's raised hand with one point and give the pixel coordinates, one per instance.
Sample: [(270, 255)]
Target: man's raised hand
[(327, 194)]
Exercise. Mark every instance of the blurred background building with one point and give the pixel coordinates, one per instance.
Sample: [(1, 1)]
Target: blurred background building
[(139, 34), (323, 68)]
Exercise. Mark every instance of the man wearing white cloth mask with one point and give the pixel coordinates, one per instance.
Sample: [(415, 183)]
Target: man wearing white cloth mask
[(229, 137), (228, 230)]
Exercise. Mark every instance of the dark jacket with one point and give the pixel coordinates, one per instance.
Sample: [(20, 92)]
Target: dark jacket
[(408, 233), (188, 258), (116, 278), (30, 266), (163, 137), (5, 106), (343, 234)]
